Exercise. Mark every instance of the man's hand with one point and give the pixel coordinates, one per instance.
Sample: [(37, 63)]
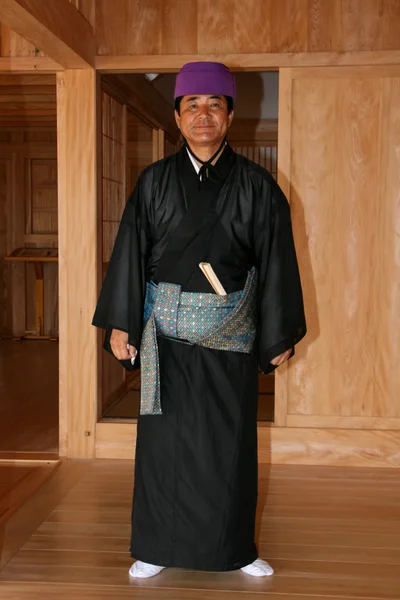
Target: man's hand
[(120, 347), (278, 360)]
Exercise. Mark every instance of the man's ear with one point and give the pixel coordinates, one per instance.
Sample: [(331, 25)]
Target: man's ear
[(177, 119), (230, 117)]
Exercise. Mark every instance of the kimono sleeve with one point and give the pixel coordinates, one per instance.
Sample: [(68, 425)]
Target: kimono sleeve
[(281, 319), (121, 300)]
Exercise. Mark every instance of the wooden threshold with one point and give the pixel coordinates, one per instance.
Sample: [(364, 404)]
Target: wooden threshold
[(29, 457), (281, 445)]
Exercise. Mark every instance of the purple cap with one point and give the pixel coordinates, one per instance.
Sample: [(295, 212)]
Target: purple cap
[(205, 78)]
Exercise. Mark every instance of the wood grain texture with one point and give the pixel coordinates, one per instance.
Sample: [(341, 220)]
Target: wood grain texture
[(27, 65), (324, 26), (215, 27), (13, 44), (289, 26), (171, 63), (252, 26), (362, 25), (78, 286), (328, 532), (143, 31), (20, 526), (386, 248), (224, 26), (179, 26), (56, 28), (390, 24), (347, 244), (87, 8)]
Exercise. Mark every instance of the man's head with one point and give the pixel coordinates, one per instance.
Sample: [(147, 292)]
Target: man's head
[(204, 94)]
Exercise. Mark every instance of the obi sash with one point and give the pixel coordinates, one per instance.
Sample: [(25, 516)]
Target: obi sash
[(208, 320)]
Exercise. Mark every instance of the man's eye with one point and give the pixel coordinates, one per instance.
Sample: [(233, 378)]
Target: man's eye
[(215, 104), (192, 106)]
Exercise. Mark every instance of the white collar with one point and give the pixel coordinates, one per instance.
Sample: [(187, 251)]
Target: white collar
[(194, 163)]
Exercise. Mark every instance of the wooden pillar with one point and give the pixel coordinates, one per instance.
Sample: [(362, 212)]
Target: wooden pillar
[(77, 99)]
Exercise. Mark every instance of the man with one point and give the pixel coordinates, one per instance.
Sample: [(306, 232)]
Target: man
[(196, 457)]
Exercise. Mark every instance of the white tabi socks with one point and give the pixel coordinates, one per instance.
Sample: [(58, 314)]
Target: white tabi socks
[(259, 568), (142, 570)]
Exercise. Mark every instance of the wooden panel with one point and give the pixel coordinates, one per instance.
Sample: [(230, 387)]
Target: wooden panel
[(292, 38), (78, 257), (143, 30), (346, 228), (390, 26), (210, 27), (179, 27), (361, 25), (252, 26), (386, 249), (215, 26), (324, 26), (57, 28)]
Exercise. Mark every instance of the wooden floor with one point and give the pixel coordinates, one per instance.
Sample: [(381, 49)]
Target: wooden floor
[(29, 396), (330, 533)]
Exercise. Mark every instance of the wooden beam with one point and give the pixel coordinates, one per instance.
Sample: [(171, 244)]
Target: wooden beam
[(77, 101), (56, 28), (170, 63), (27, 65), (145, 101)]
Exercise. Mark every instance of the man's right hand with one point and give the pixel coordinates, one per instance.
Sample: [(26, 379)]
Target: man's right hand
[(120, 347)]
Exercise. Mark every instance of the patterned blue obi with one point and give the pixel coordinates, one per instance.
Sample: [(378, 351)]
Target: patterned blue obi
[(219, 322)]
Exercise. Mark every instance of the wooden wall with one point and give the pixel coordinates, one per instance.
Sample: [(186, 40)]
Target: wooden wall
[(231, 26), (341, 137), (245, 26)]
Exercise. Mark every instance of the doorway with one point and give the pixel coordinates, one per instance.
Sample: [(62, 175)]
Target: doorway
[(148, 135), (28, 266)]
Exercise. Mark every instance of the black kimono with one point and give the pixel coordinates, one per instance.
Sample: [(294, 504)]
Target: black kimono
[(196, 464)]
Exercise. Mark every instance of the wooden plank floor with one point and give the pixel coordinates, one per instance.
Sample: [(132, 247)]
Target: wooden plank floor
[(330, 533), (29, 396)]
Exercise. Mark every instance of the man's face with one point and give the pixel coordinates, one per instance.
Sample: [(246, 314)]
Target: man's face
[(204, 120)]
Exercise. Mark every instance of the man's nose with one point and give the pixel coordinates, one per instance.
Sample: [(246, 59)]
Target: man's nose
[(204, 112)]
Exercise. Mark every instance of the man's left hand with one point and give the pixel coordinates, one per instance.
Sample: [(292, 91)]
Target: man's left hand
[(278, 360)]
